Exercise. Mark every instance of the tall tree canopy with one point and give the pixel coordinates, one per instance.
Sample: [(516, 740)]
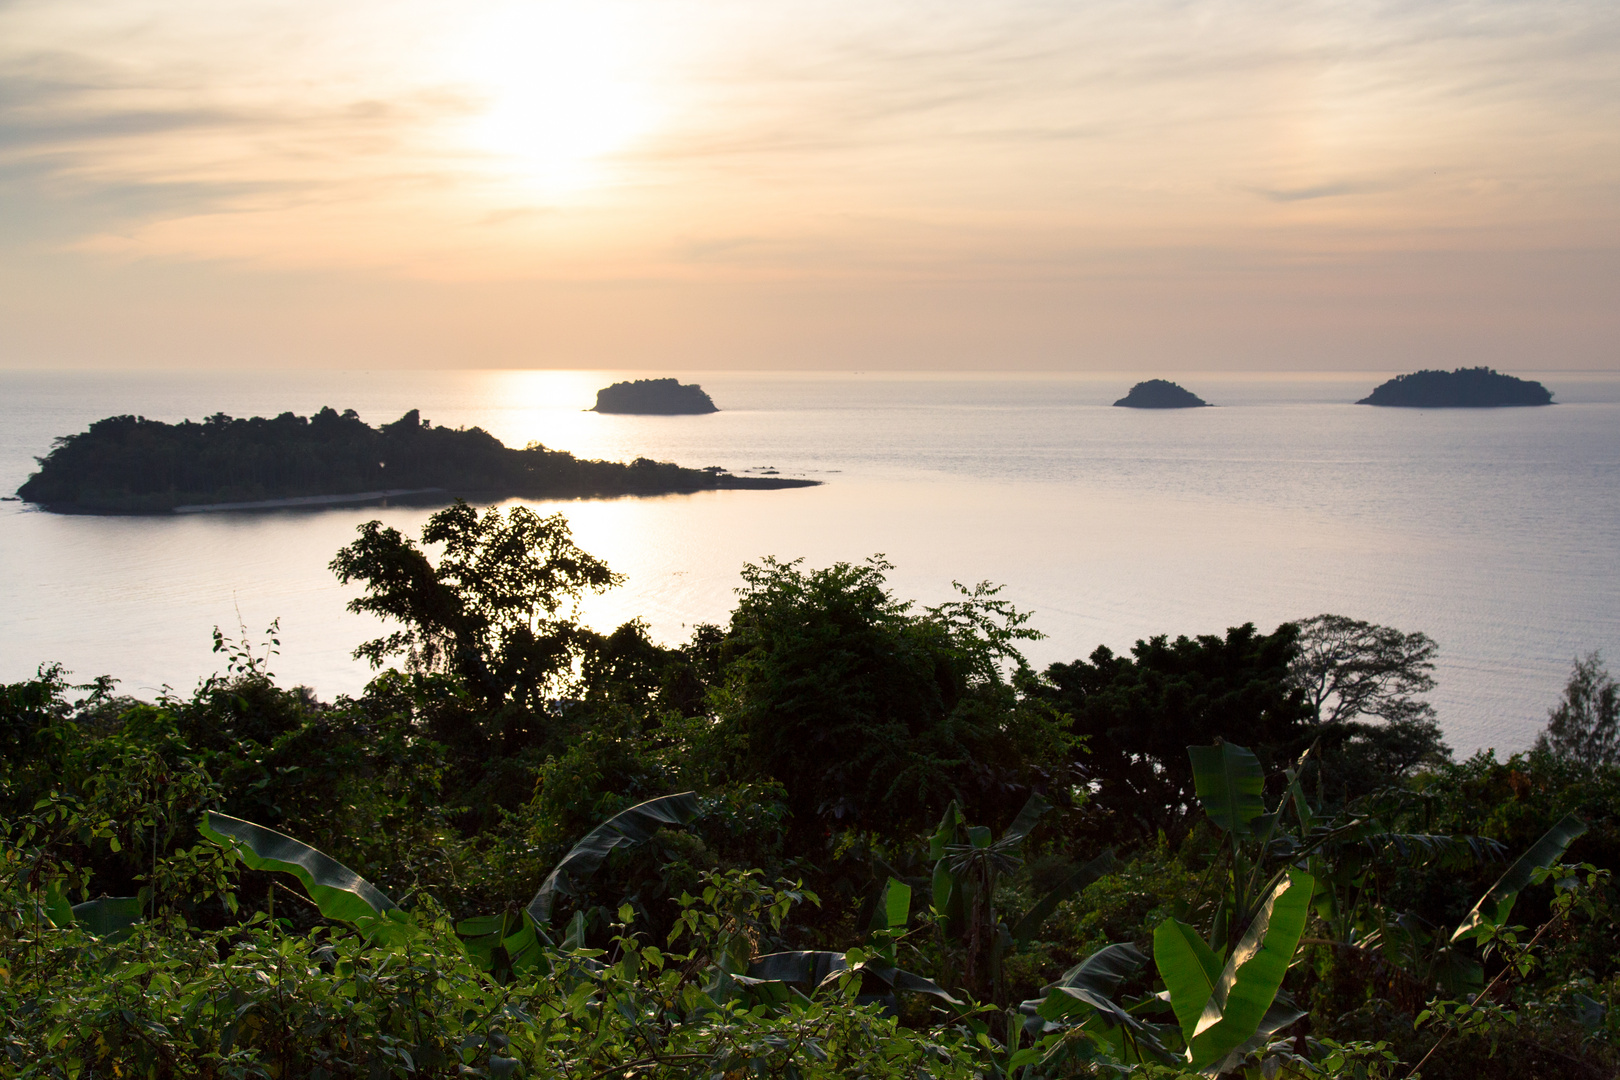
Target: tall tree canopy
[(1584, 727), (1141, 711), (496, 610), (874, 716), (1348, 668), (1362, 682)]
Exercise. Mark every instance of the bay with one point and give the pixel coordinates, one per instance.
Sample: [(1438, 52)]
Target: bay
[(1495, 531)]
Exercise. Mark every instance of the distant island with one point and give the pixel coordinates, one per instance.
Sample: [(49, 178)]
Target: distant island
[(131, 465), (1160, 394), (1465, 388), (654, 397)]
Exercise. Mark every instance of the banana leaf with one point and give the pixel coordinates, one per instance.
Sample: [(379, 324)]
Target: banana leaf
[(1248, 985), (110, 917), (338, 892), (1093, 982), (1449, 849), (1190, 969), (893, 907), (1230, 784), (1494, 906), (946, 892), (1030, 924), (1026, 820), (900, 979), (811, 968), (502, 943), (625, 829), (807, 967), (1282, 1013)]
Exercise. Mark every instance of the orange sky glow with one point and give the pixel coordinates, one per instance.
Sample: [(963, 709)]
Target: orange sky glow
[(923, 184)]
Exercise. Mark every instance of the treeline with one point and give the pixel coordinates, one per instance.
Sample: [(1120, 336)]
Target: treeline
[(128, 464), (838, 835)]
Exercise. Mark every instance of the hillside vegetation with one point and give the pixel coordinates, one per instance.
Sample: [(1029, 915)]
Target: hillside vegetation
[(838, 835)]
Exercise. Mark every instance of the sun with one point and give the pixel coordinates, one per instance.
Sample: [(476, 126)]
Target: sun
[(560, 92)]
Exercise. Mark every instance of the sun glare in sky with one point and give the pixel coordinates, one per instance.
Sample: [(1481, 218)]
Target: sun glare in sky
[(1108, 184), (557, 92)]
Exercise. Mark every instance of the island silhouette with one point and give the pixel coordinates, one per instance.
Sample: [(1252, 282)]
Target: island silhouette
[(1160, 394), (132, 465), (654, 397), (1464, 388)]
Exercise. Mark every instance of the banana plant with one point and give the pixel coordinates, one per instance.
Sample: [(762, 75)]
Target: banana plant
[(968, 861), (1225, 994), (499, 943), (337, 892), (1085, 998), (515, 940), (1492, 910), (1224, 1005), (110, 917), (876, 962), (1228, 1004)]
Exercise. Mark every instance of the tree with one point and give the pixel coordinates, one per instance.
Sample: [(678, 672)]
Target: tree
[(872, 716), (1141, 711), (491, 612), (1584, 727), (1349, 668)]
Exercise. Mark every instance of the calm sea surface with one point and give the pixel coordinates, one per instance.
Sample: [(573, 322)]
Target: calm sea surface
[(1495, 531)]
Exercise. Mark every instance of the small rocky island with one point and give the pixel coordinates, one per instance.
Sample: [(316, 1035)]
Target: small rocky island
[(1465, 388), (1160, 394), (654, 397), (131, 465)]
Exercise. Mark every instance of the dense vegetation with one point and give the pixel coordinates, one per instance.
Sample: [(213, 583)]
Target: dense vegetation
[(128, 464), (839, 835), (654, 397), (1465, 388)]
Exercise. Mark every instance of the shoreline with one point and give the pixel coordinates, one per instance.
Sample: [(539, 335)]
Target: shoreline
[(303, 500)]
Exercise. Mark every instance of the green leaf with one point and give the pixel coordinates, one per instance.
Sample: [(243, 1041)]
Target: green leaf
[(948, 833), (625, 829), (109, 917), (338, 892), (1494, 906), (1253, 974), (1190, 969), (807, 967), (1030, 924), (1026, 820), (57, 908), (1230, 784), (898, 979), (1093, 982), (893, 906), (946, 895)]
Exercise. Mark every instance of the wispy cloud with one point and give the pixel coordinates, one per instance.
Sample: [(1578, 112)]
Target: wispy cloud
[(918, 141)]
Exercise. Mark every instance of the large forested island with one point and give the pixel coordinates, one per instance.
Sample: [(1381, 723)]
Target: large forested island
[(654, 397), (1465, 388), (131, 465)]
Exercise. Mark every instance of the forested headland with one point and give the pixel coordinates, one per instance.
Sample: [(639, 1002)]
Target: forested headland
[(131, 465), (838, 835)]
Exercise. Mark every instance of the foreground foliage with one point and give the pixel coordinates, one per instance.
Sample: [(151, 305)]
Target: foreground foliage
[(837, 836)]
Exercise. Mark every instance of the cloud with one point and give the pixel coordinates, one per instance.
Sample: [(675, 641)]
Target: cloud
[(1171, 147)]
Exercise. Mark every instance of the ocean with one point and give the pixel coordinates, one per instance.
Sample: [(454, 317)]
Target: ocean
[(1497, 532)]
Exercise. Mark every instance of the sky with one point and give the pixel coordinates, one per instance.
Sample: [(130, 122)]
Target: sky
[(916, 184)]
